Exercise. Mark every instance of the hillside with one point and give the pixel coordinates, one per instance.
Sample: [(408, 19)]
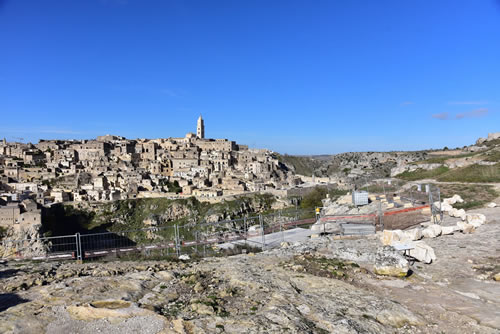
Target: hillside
[(143, 213), (474, 163)]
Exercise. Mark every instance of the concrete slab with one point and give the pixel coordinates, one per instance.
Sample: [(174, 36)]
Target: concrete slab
[(272, 239)]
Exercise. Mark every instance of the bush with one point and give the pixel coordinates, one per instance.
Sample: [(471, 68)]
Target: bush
[(3, 232), (313, 199)]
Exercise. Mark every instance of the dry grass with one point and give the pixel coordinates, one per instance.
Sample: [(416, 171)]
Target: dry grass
[(474, 195), (472, 173)]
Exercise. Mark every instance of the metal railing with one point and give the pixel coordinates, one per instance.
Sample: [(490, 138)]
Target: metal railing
[(205, 238), (167, 240)]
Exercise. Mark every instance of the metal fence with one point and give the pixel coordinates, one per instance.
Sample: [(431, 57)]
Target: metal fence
[(47, 248), (201, 239), (211, 238), (397, 207)]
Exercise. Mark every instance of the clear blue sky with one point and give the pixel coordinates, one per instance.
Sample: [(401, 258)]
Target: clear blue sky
[(298, 77)]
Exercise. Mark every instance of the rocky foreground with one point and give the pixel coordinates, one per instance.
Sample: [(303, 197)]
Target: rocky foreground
[(322, 286)]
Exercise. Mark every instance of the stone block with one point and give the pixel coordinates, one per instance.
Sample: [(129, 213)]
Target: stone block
[(457, 213), (412, 234), (391, 236), (422, 252), (330, 227), (432, 231)]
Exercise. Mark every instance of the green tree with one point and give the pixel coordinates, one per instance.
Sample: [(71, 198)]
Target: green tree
[(313, 199)]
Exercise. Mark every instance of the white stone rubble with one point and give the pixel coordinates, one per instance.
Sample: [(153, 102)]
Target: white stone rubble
[(432, 231), (422, 252), (476, 219)]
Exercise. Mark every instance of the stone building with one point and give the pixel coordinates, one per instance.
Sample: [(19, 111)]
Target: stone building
[(24, 213)]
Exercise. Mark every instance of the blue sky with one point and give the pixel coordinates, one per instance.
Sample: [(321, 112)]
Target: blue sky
[(297, 77)]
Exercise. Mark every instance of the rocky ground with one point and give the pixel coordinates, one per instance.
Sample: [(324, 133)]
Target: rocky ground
[(322, 286)]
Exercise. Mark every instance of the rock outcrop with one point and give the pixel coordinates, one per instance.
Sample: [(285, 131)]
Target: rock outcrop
[(388, 262)]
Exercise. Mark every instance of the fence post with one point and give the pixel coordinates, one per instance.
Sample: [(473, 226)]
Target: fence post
[(440, 209), (177, 247), (262, 232), (196, 240), (78, 243), (381, 215), (282, 233), (431, 204), (245, 229)]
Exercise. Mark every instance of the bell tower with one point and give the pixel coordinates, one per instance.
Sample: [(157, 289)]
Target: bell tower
[(200, 128)]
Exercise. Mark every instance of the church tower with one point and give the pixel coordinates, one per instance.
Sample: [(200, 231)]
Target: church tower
[(200, 128)]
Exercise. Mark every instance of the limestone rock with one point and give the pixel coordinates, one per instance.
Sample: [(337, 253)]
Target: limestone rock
[(496, 277), (492, 205), (453, 200), (476, 219), (457, 213), (398, 319), (413, 234), (465, 227), (493, 136), (389, 262), (184, 257), (445, 207), (164, 275), (432, 231), (391, 236), (105, 310), (198, 287), (422, 252), (480, 140), (326, 227), (202, 309)]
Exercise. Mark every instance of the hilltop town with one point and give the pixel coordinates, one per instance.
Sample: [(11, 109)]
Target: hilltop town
[(113, 168)]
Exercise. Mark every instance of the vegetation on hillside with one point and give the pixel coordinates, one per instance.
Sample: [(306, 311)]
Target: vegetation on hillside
[(474, 195), (441, 159), (420, 174), (129, 215), (3, 232), (492, 143), (493, 156), (301, 165), (472, 173), (313, 199)]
